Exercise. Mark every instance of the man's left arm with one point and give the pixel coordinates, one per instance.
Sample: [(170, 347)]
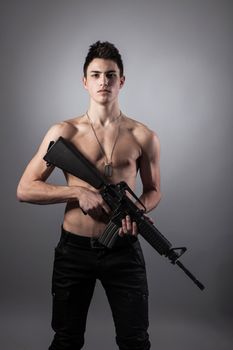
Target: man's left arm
[(150, 176), (149, 168)]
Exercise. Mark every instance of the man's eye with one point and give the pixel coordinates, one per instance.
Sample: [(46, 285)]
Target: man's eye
[(95, 75), (110, 75)]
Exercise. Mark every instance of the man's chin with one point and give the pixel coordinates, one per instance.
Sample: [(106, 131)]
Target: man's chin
[(104, 101)]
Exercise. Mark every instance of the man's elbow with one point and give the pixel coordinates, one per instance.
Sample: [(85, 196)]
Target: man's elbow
[(22, 193), (157, 197), (159, 194)]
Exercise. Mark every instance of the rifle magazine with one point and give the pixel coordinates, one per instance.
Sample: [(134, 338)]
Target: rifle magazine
[(110, 235)]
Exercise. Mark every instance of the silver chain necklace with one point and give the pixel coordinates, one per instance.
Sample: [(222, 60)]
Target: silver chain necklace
[(108, 168)]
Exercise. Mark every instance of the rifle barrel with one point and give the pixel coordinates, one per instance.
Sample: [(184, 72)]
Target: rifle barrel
[(190, 275)]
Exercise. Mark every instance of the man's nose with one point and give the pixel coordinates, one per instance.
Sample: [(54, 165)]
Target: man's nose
[(103, 80)]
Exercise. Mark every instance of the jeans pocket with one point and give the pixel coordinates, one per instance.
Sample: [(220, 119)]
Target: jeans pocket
[(60, 309), (138, 256)]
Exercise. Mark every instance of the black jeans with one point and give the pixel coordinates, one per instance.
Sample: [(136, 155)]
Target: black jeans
[(79, 261)]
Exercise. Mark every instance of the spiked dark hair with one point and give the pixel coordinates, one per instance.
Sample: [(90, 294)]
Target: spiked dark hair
[(106, 51)]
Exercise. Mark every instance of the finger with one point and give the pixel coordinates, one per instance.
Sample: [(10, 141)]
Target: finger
[(124, 227), (128, 223), (120, 232), (134, 229), (84, 212), (106, 208)]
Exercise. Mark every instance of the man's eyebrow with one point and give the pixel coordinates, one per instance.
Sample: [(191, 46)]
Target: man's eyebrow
[(109, 71)]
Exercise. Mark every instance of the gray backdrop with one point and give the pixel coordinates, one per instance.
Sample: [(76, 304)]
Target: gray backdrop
[(178, 65)]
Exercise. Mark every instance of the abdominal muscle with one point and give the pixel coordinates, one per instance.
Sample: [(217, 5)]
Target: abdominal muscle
[(77, 222)]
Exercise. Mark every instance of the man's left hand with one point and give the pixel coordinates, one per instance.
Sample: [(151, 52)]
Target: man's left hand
[(129, 227)]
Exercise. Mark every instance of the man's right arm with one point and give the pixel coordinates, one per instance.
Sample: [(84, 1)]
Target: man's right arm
[(32, 187)]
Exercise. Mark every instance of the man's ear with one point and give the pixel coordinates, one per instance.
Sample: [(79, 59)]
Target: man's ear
[(84, 80), (122, 81)]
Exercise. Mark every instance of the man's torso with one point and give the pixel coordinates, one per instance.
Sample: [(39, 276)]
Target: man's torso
[(128, 135)]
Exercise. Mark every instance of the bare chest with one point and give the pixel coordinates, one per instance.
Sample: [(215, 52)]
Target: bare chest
[(116, 147)]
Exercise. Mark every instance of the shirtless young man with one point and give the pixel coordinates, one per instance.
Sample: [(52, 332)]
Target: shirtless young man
[(105, 136)]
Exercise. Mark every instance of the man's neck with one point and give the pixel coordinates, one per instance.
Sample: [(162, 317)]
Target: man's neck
[(103, 114)]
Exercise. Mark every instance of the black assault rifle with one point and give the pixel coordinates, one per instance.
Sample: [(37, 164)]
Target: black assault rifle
[(64, 155)]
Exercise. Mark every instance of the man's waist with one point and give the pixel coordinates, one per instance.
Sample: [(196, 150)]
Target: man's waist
[(92, 242), (79, 224)]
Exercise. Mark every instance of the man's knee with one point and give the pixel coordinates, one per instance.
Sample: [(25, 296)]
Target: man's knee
[(63, 341), (137, 342)]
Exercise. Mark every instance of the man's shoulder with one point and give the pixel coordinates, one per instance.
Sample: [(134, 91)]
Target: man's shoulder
[(67, 128), (140, 131)]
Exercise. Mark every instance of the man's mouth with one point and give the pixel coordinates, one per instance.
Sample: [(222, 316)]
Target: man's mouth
[(104, 91)]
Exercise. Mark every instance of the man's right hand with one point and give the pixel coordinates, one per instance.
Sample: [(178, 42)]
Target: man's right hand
[(92, 203)]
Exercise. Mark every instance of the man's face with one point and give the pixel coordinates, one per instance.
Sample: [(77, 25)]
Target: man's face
[(103, 80)]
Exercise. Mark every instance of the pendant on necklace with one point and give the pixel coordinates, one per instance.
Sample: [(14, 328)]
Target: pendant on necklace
[(108, 170)]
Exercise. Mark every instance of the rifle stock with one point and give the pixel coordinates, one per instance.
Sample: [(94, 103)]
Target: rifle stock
[(65, 156)]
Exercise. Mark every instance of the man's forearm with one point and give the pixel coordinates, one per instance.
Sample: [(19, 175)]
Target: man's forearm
[(39, 192), (150, 199)]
